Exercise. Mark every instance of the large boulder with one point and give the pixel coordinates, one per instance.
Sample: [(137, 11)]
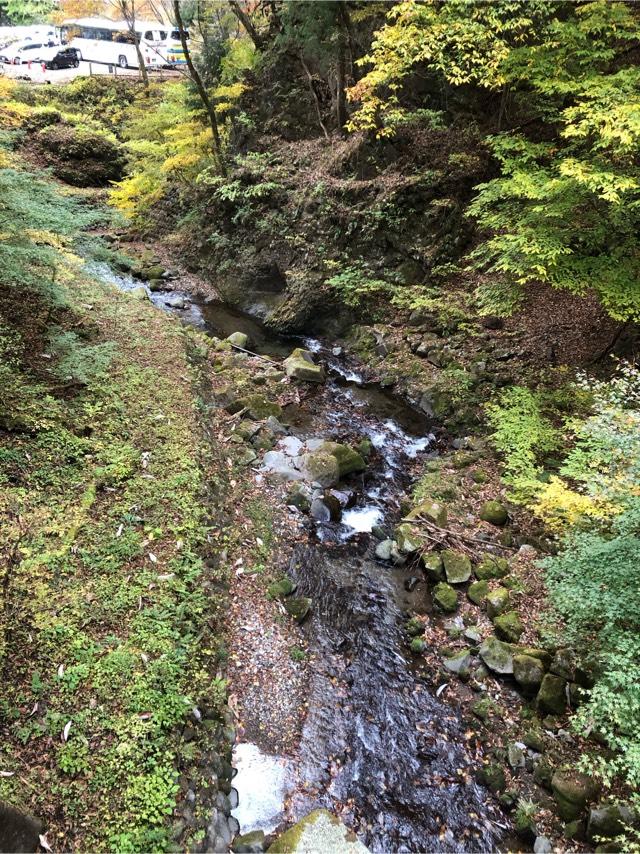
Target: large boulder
[(257, 406), (609, 820), (349, 461), (572, 792), (457, 566), (492, 567), (318, 831), (18, 832), (509, 626), (433, 567), (300, 366), (478, 591), (494, 512), (552, 696), (528, 673), (498, 656), (408, 538), (320, 467)]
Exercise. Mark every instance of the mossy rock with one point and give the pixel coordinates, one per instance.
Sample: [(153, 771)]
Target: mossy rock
[(417, 645), (445, 597), (298, 607), (300, 366), (493, 777), (552, 696), (457, 566), (491, 567), (478, 591), (415, 626), (248, 843), (318, 831), (320, 467), (431, 510), (282, 588), (408, 538), (349, 461), (572, 792), (542, 655), (238, 339), (495, 513), (139, 293), (497, 602), (498, 656), (528, 673), (365, 447), (509, 626), (258, 407), (433, 567)]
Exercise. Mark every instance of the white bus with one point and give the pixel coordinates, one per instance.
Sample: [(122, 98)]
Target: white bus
[(111, 42)]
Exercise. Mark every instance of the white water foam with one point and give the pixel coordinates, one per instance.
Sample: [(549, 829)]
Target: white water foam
[(362, 519), (261, 783)]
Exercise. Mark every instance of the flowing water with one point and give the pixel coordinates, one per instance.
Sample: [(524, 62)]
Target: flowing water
[(378, 747)]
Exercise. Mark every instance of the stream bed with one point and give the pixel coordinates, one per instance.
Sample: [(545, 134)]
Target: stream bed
[(378, 748)]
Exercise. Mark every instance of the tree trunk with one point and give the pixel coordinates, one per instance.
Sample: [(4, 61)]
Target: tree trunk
[(247, 23), (316, 100), (202, 92), (341, 97), (129, 14)]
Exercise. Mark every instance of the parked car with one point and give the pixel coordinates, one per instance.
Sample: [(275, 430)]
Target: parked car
[(24, 51), (60, 57)]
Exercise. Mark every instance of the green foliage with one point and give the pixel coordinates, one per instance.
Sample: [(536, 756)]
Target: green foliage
[(27, 11), (524, 436), (357, 286), (594, 584)]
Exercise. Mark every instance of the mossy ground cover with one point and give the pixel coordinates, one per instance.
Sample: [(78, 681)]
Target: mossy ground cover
[(109, 614)]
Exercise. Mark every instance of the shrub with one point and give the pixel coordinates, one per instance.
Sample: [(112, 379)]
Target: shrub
[(79, 156)]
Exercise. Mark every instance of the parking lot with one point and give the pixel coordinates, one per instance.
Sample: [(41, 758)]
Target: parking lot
[(33, 72)]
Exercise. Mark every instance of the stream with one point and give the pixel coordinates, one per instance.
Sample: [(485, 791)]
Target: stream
[(378, 748)]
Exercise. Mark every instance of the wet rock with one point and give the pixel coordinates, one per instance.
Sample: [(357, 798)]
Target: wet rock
[(457, 566), (379, 532), (384, 549), (175, 301), (509, 626), (572, 792), (497, 601), (320, 467), (492, 567), (492, 776), (325, 509), (609, 820), (349, 461), (238, 339), (156, 285), (433, 567), (299, 495), (249, 843), (298, 607), (445, 597), (18, 832), (494, 512), (411, 583), (478, 591), (459, 663), (318, 831), (542, 845), (431, 510), (497, 655), (552, 696), (528, 673), (397, 557), (300, 366)]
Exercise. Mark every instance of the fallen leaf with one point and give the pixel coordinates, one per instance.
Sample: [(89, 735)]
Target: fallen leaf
[(153, 558), (7, 773), (61, 671), (65, 731), (44, 842)]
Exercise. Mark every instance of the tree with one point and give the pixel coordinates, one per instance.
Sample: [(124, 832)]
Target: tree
[(243, 16), (202, 92), (127, 10), (27, 11)]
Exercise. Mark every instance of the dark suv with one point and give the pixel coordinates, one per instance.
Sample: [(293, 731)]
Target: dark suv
[(61, 57)]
